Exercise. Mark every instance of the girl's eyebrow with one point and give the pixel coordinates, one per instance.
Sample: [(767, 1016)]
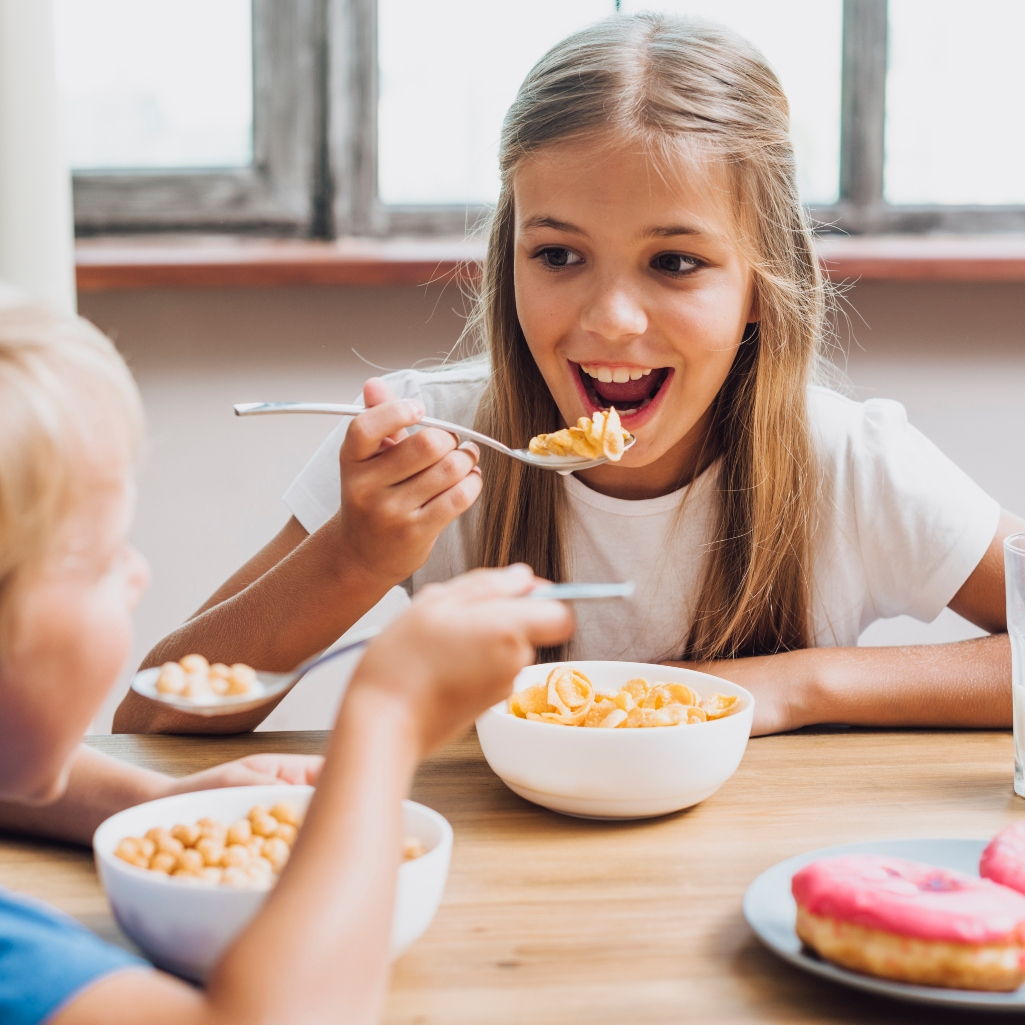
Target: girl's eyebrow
[(671, 231), (661, 231), (552, 222)]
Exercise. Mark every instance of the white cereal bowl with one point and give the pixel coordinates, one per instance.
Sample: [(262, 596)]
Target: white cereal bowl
[(616, 774), (184, 928)]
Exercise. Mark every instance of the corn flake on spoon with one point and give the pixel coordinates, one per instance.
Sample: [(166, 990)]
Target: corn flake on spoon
[(272, 685), (561, 464)]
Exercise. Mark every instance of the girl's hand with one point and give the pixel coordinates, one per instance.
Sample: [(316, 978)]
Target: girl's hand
[(455, 652), (778, 683), (254, 770), (399, 491)]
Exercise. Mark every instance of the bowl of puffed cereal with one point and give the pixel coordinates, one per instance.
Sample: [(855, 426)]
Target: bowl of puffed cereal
[(616, 740), (185, 874)]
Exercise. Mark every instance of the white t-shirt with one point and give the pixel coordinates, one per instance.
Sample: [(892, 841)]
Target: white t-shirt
[(900, 527)]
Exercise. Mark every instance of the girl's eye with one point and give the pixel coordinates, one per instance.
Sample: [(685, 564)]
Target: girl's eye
[(557, 256), (675, 263)]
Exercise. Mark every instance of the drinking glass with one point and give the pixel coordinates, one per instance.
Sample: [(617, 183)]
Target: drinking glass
[(1014, 575)]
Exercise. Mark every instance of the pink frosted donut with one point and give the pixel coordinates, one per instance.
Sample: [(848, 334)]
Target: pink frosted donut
[(1003, 860), (915, 923)]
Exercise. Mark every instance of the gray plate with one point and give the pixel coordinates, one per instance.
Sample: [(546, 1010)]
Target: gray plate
[(770, 910)]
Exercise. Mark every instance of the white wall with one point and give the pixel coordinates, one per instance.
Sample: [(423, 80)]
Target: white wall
[(210, 492)]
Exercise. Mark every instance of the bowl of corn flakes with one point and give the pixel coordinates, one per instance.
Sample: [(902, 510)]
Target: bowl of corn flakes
[(616, 740), (185, 874)]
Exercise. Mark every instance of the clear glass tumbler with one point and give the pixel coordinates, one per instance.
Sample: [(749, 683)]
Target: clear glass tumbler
[(1014, 575)]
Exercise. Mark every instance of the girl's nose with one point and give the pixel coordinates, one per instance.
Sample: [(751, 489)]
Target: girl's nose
[(614, 314)]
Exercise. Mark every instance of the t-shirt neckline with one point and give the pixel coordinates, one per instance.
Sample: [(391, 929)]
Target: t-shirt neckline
[(579, 492)]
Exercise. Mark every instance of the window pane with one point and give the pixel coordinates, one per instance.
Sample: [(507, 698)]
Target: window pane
[(155, 83), (954, 93), (448, 71), (802, 39)]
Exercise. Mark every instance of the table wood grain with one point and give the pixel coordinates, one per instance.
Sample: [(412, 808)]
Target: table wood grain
[(548, 919)]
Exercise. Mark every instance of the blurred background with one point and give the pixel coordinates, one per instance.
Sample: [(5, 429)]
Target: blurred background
[(261, 190)]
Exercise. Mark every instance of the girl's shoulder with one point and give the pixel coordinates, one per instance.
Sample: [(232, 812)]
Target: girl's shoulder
[(450, 392), (843, 428)]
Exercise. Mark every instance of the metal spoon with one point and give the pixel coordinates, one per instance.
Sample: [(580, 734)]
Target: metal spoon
[(267, 685), (561, 464), (272, 685)]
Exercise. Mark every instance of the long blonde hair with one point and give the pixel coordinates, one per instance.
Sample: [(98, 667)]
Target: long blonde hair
[(675, 86)]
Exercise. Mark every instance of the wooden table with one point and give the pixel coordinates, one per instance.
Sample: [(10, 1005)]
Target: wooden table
[(548, 919)]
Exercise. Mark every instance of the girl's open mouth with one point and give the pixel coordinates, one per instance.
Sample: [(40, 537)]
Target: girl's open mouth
[(629, 389)]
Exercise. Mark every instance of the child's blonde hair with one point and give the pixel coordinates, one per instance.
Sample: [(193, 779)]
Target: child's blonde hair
[(685, 91), (55, 371)]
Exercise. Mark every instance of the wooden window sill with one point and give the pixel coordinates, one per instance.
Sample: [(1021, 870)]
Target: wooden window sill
[(185, 261)]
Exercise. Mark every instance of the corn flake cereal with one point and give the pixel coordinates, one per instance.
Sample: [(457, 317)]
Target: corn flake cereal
[(596, 437), (568, 698)]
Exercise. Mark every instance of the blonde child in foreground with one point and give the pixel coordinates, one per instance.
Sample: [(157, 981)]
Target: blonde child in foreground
[(69, 580), (649, 251)]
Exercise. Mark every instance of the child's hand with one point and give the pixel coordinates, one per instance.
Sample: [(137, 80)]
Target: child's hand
[(254, 770), (399, 490), (778, 684), (455, 652)]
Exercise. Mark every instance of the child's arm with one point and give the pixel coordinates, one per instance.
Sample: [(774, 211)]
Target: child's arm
[(318, 951), (963, 684), (99, 786), (302, 592)]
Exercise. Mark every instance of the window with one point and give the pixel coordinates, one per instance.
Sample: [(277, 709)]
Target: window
[(192, 114), (951, 135), (146, 85), (375, 117)]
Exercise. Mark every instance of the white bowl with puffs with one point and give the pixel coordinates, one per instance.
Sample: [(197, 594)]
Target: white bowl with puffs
[(185, 874), (616, 740)]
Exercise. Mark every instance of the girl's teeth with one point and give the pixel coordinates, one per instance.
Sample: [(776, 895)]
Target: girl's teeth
[(618, 374)]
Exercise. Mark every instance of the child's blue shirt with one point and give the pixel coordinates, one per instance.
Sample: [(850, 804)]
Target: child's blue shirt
[(46, 958)]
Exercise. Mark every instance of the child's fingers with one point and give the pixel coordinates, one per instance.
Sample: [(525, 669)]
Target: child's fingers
[(419, 452), (375, 393), (440, 476), (482, 584), (369, 430), (543, 622), (441, 510)]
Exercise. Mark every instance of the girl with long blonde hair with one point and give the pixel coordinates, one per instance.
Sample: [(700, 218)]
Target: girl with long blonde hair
[(649, 251)]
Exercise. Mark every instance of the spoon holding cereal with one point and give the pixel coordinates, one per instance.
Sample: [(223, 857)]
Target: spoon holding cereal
[(194, 685), (593, 441)]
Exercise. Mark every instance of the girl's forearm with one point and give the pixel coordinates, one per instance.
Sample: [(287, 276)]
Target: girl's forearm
[(319, 950), (298, 607), (98, 786), (963, 684)]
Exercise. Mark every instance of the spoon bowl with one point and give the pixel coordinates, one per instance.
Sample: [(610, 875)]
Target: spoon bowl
[(266, 687), (560, 464)]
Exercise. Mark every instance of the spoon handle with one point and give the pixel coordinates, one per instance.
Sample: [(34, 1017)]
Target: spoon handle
[(348, 409), (359, 642), (560, 592)]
